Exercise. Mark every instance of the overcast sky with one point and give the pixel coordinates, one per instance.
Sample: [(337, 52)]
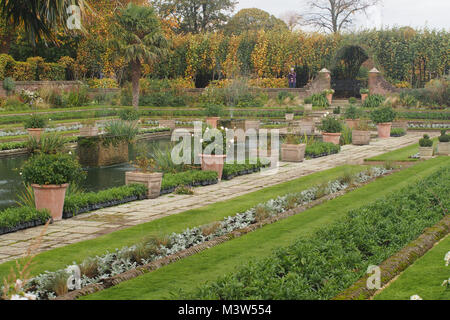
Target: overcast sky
[(415, 13)]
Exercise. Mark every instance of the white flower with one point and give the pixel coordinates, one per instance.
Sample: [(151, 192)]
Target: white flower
[(416, 297), (222, 128), (447, 259), (446, 282), (70, 152), (17, 297), (201, 140)]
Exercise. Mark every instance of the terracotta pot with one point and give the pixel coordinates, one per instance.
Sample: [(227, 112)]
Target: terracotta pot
[(36, 132), (330, 98), (252, 124), (444, 148), (151, 180), (213, 163), (360, 138), (426, 152), (384, 130), (289, 116), (50, 197), (364, 97), (212, 121), (331, 137), (352, 123), (88, 131), (167, 124), (293, 152)]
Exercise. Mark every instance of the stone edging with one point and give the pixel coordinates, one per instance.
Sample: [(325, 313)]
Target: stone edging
[(397, 263)]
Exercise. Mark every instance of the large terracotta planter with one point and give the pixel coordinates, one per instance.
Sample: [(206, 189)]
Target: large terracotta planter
[(426, 152), (167, 124), (289, 116), (360, 138), (36, 132), (88, 131), (50, 197), (444, 148), (151, 180), (306, 126), (252, 124), (384, 130), (212, 121), (213, 163), (330, 98), (352, 123), (293, 152), (364, 97), (332, 137)]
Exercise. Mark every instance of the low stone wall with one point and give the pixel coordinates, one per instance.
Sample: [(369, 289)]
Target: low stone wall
[(36, 85)]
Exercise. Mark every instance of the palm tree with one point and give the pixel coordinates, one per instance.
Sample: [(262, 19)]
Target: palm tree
[(39, 18), (138, 38)]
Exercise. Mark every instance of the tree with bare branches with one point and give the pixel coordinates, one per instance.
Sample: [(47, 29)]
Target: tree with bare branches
[(336, 15), (292, 19)]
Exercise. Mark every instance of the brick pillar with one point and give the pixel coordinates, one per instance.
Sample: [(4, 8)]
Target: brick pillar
[(374, 80)]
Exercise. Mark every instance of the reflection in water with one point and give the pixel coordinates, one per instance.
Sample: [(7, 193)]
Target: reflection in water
[(97, 178)]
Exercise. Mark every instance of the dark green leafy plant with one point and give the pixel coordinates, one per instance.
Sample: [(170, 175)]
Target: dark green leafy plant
[(444, 137), (331, 125), (53, 169), (320, 149), (352, 100), (319, 100), (353, 113), (213, 110), (398, 132), (426, 142), (383, 115), (35, 122), (9, 85), (13, 217), (129, 114)]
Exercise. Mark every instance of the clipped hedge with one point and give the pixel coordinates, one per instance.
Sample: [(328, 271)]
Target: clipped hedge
[(14, 219), (233, 170), (35, 68), (321, 149), (322, 265)]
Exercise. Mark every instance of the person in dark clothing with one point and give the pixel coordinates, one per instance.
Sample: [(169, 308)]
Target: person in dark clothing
[(292, 78)]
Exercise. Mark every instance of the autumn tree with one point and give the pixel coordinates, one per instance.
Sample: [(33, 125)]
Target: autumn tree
[(336, 15), (138, 39), (195, 16), (253, 20)]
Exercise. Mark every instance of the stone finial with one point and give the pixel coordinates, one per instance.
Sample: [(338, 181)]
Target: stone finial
[(325, 70), (374, 70)]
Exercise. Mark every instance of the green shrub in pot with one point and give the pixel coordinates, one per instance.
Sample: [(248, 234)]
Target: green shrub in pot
[(35, 122), (383, 115), (331, 125), (426, 142)]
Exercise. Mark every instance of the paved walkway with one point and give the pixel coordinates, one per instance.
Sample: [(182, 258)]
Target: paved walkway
[(92, 225)]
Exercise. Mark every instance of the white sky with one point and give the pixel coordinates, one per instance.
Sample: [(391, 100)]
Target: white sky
[(414, 13)]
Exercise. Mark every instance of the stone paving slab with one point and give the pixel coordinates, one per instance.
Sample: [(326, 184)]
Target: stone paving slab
[(104, 221)]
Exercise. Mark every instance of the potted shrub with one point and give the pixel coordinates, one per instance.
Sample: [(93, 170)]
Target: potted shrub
[(329, 94), (444, 144), (361, 134), (426, 147), (364, 94), (213, 112), (289, 115), (383, 119), (331, 130), (210, 146), (308, 104), (145, 174), (89, 129), (129, 114), (35, 125), (292, 149), (352, 115), (50, 175)]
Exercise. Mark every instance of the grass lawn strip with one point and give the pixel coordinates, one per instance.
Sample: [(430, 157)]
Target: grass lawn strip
[(58, 258), (208, 265), (423, 278)]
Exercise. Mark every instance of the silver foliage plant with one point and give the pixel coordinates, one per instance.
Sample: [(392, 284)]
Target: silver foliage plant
[(120, 261)]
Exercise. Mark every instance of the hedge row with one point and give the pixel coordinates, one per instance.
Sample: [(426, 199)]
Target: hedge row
[(321, 149), (334, 257), (34, 69), (424, 115), (192, 178), (14, 219), (233, 170)]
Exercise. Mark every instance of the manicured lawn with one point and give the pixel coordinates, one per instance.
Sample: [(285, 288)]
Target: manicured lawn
[(423, 278), (402, 154), (208, 265), (59, 258)]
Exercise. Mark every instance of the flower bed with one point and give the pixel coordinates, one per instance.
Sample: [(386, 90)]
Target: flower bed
[(321, 149), (192, 178), (15, 219), (86, 202), (320, 266), (234, 170), (97, 269)]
